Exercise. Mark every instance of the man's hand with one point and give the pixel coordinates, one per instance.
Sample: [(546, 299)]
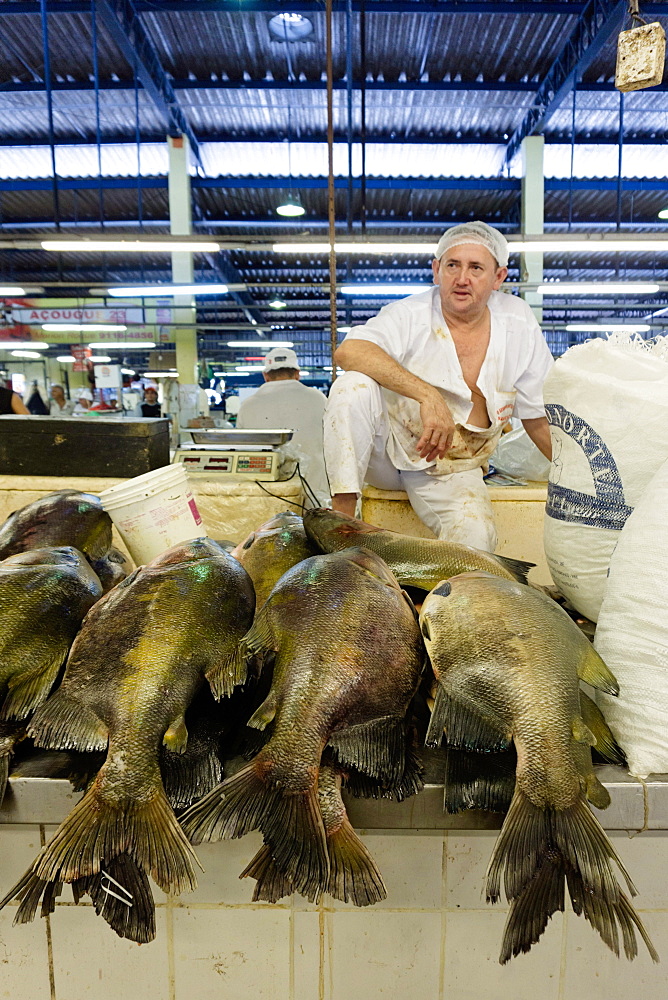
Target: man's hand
[(438, 427)]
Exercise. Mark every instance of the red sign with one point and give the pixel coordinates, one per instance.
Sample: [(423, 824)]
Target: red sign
[(80, 355)]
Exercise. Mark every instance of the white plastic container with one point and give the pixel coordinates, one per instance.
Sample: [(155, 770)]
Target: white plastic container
[(154, 511)]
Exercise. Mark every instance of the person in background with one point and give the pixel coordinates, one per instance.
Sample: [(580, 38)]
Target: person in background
[(150, 407), (59, 405), (430, 384), (284, 402), (82, 405), (11, 402), (36, 405)]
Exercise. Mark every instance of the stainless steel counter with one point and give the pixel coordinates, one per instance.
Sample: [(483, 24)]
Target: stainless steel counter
[(49, 800)]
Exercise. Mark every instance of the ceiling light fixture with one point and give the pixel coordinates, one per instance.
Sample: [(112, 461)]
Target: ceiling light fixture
[(249, 368), (6, 345), (83, 327), (125, 345), (11, 290), (66, 359), (663, 214), (128, 246), (289, 27), (161, 375), (101, 359), (260, 343), (278, 304), (128, 371), (597, 288), (654, 242), (26, 354), (291, 207), (380, 290), (607, 327), (157, 291)]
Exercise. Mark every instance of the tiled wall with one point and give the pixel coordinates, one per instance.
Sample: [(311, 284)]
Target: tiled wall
[(434, 938)]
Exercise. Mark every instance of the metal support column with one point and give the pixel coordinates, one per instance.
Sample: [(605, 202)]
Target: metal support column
[(533, 213), (180, 224)]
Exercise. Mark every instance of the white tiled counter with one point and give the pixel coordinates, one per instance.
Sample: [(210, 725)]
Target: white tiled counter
[(433, 938)]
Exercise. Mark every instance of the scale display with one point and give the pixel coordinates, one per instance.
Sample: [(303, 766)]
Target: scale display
[(254, 464)]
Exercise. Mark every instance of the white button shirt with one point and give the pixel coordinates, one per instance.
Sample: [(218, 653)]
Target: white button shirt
[(414, 333)]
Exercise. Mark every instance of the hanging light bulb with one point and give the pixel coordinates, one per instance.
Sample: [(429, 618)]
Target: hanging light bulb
[(663, 214), (291, 207)]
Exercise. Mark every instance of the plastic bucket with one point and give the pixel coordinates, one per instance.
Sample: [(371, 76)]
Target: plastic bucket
[(154, 511)]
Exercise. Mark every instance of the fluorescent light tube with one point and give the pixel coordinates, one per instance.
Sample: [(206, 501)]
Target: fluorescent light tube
[(128, 371), (124, 345), (103, 359), (249, 368), (598, 288), (161, 374), (39, 345), (66, 359), (11, 290), (260, 343), (607, 327), (128, 246), (380, 290), (85, 327), (157, 291), (26, 354)]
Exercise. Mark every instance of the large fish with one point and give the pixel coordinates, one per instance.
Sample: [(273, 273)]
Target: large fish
[(44, 596), (348, 658), (416, 562), (507, 659), (271, 550), (67, 517), (135, 667)]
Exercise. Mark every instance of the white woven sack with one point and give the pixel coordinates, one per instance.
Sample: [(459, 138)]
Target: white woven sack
[(632, 632), (607, 403)]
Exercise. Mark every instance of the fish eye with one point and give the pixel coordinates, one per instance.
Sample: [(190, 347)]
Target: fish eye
[(249, 541), (426, 631)]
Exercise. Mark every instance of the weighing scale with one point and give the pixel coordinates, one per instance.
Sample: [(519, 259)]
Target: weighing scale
[(236, 453)]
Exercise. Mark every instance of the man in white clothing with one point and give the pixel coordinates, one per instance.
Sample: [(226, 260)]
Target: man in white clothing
[(284, 402), (430, 383)]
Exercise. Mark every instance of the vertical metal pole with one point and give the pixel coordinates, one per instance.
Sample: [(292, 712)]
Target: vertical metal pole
[(331, 207), (349, 95), (619, 160), (49, 105), (570, 189), (98, 134), (363, 117)]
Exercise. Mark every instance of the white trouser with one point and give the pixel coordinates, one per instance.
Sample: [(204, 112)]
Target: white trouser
[(356, 429)]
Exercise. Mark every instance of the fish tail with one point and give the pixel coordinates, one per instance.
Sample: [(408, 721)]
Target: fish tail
[(291, 823), (272, 885), (121, 894), (354, 877), (518, 568), (29, 890), (96, 832), (539, 850)]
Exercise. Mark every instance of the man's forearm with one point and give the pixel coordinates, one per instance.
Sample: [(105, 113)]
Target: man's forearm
[(538, 430), (363, 356)]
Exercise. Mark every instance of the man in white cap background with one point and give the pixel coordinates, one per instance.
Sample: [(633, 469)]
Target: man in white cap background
[(430, 383), (283, 401)]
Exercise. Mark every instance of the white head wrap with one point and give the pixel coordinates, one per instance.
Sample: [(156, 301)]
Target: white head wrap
[(475, 232)]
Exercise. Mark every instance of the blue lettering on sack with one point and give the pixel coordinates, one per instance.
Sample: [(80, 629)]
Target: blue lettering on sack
[(608, 507)]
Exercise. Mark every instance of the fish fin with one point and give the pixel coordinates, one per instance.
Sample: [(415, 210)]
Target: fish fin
[(29, 689), (581, 732), (233, 670), (411, 782), (518, 567), (252, 741), (463, 728), (185, 780), (606, 745), (354, 877), (265, 714), (121, 895), (478, 780), (593, 670), (65, 724), (176, 736), (376, 748), (411, 604), (95, 833), (291, 823), (574, 843), (29, 890), (271, 884)]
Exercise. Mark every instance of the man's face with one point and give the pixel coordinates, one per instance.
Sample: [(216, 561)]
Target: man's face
[(57, 392), (466, 276)]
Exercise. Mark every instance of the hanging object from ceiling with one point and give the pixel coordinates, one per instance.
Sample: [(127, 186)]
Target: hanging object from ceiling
[(641, 53)]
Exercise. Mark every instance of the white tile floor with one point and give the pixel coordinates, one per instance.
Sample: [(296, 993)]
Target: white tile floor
[(434, 938)]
